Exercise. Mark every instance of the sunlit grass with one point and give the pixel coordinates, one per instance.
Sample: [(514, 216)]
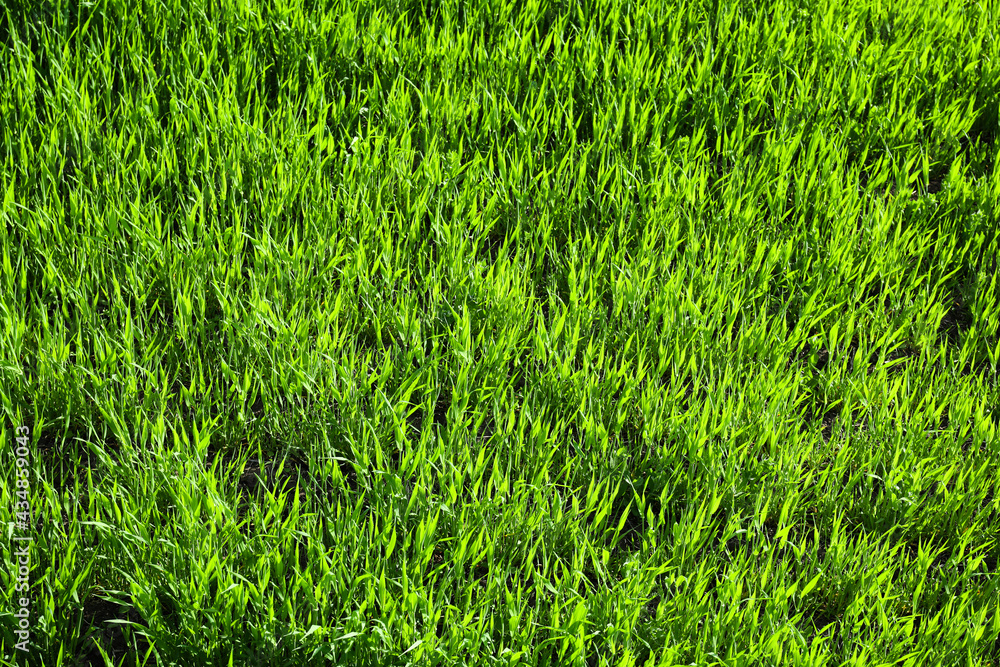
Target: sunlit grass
[(600, 333)]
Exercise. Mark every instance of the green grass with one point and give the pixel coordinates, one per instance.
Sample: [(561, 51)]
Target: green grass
[(543, 333)]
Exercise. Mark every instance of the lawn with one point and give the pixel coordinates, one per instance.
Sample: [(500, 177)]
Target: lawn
[(598, 333)]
